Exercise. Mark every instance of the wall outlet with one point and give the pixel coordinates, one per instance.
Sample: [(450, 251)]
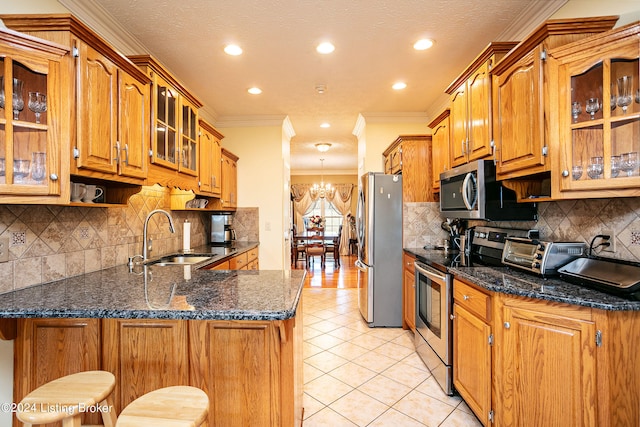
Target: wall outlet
[(4, 249), (612, 240)]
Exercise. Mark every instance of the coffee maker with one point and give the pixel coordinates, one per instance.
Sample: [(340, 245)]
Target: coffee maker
[(222, 232)]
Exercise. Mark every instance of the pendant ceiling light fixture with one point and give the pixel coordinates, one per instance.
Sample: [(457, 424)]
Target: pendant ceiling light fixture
[(323, 146), (323, 190)]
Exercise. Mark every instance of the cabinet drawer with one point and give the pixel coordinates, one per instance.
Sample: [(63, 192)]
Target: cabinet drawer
[(407, 262), (472, 299), (237, 262), (253, 254)]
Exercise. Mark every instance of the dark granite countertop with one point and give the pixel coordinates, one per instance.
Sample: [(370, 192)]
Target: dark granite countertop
[(167, 292), (514, 282)]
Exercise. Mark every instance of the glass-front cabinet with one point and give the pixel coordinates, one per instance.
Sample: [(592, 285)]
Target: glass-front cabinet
[(165, 145), (598, 116), (189, 139), (31, 144)]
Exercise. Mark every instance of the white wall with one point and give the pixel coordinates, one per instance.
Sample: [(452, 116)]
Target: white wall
[(261, 183)]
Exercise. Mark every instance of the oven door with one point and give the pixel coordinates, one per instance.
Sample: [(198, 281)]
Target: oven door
[(433, 323)]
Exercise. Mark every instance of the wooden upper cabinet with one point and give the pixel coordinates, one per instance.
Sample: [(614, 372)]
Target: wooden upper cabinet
[(229, 185), (521, 96), (595, 152), (36, 66), (173, 151), (440, 137), (105, 96), (210, 175), (413, 154), (471, 108)]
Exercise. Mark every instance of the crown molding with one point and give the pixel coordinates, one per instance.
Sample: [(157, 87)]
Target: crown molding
[(287, 128), (100, 21), (400, 117), (536, 13)]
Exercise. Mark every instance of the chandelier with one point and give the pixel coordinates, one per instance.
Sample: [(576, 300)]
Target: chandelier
[(323, 190)]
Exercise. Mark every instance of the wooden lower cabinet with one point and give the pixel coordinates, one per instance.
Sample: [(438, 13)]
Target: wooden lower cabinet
[(546, 364), (408, 292), (46, 349), (240, 366), (144, 355), (251, 370), (472, 349)]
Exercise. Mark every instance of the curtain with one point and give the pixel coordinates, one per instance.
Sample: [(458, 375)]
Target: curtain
[(342, 202), (301, 202)]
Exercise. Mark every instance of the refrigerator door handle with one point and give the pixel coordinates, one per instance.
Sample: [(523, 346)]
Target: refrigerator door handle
[(360, 266)]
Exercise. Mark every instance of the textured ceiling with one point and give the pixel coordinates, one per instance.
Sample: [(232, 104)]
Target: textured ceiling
[(373, 41)]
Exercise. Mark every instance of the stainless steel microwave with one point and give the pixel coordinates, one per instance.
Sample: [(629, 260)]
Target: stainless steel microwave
[(471, 191)]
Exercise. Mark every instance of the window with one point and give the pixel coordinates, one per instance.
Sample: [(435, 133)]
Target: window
[(332, 218)]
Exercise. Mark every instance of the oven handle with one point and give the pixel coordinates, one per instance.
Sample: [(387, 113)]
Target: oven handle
[(430, 272)]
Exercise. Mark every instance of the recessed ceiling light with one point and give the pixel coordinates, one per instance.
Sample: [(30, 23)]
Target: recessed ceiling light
[(233, 49), (423, 44), (325, 48), (399, 85), (254, 90), (325, 125)]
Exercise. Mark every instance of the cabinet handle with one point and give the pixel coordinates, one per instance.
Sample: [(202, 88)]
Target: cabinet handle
[(466, 297), (53, 177), (126, 154), (117, 152), (463, 150), (452, 316), (507, 325), (565, 173)]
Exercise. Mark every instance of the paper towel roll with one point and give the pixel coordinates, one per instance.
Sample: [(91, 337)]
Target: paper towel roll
[(186, 236)]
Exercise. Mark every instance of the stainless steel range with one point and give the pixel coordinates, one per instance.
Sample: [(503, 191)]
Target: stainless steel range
[(434, 298)]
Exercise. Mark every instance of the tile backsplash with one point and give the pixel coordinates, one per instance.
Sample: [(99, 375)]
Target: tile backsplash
[(49, 242), (569, 220)]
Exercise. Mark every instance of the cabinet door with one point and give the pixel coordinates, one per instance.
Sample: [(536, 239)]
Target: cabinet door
[(519, 123), (221, 353), (229, 182), (97, 105), (188, 138), (31, 140), (478, 121), (137, 350), (409, 293), (548, 363), (47, 349), (599, 151), (472, 361), (206, 163), (216, 167), (458, 120), (165, 131), (133, 126), (440, 151)]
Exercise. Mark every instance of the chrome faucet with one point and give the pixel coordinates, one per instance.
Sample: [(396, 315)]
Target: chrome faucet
[(145, 243)]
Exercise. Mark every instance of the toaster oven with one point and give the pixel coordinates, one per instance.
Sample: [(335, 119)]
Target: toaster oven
[(539, 257)]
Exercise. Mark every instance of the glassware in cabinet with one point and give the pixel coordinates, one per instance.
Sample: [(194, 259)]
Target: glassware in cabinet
[(189, 147)]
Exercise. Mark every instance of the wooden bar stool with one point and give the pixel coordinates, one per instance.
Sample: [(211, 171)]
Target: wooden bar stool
[(177, 406), (67, 398)]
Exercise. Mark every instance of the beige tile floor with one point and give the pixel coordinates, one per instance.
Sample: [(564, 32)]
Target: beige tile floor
[(360, 376)]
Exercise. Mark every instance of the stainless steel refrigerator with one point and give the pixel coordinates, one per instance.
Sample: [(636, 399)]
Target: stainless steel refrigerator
[(379, 232)]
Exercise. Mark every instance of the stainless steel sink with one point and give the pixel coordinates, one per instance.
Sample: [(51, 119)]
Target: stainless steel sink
[(180, 259)]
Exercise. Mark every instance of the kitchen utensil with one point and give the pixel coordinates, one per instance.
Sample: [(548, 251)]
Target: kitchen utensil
[(576, 109), (78, 191), (592, 107), (92, 192), (625, 84), (20, 170), (18, 100), (37, 103), (38, 166)]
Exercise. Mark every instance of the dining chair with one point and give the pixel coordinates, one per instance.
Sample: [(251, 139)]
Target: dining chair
[(315, 245), (298, 249), (333, 247)]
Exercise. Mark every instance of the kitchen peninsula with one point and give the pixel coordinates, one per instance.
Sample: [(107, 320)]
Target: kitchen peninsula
[(235, 334)]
